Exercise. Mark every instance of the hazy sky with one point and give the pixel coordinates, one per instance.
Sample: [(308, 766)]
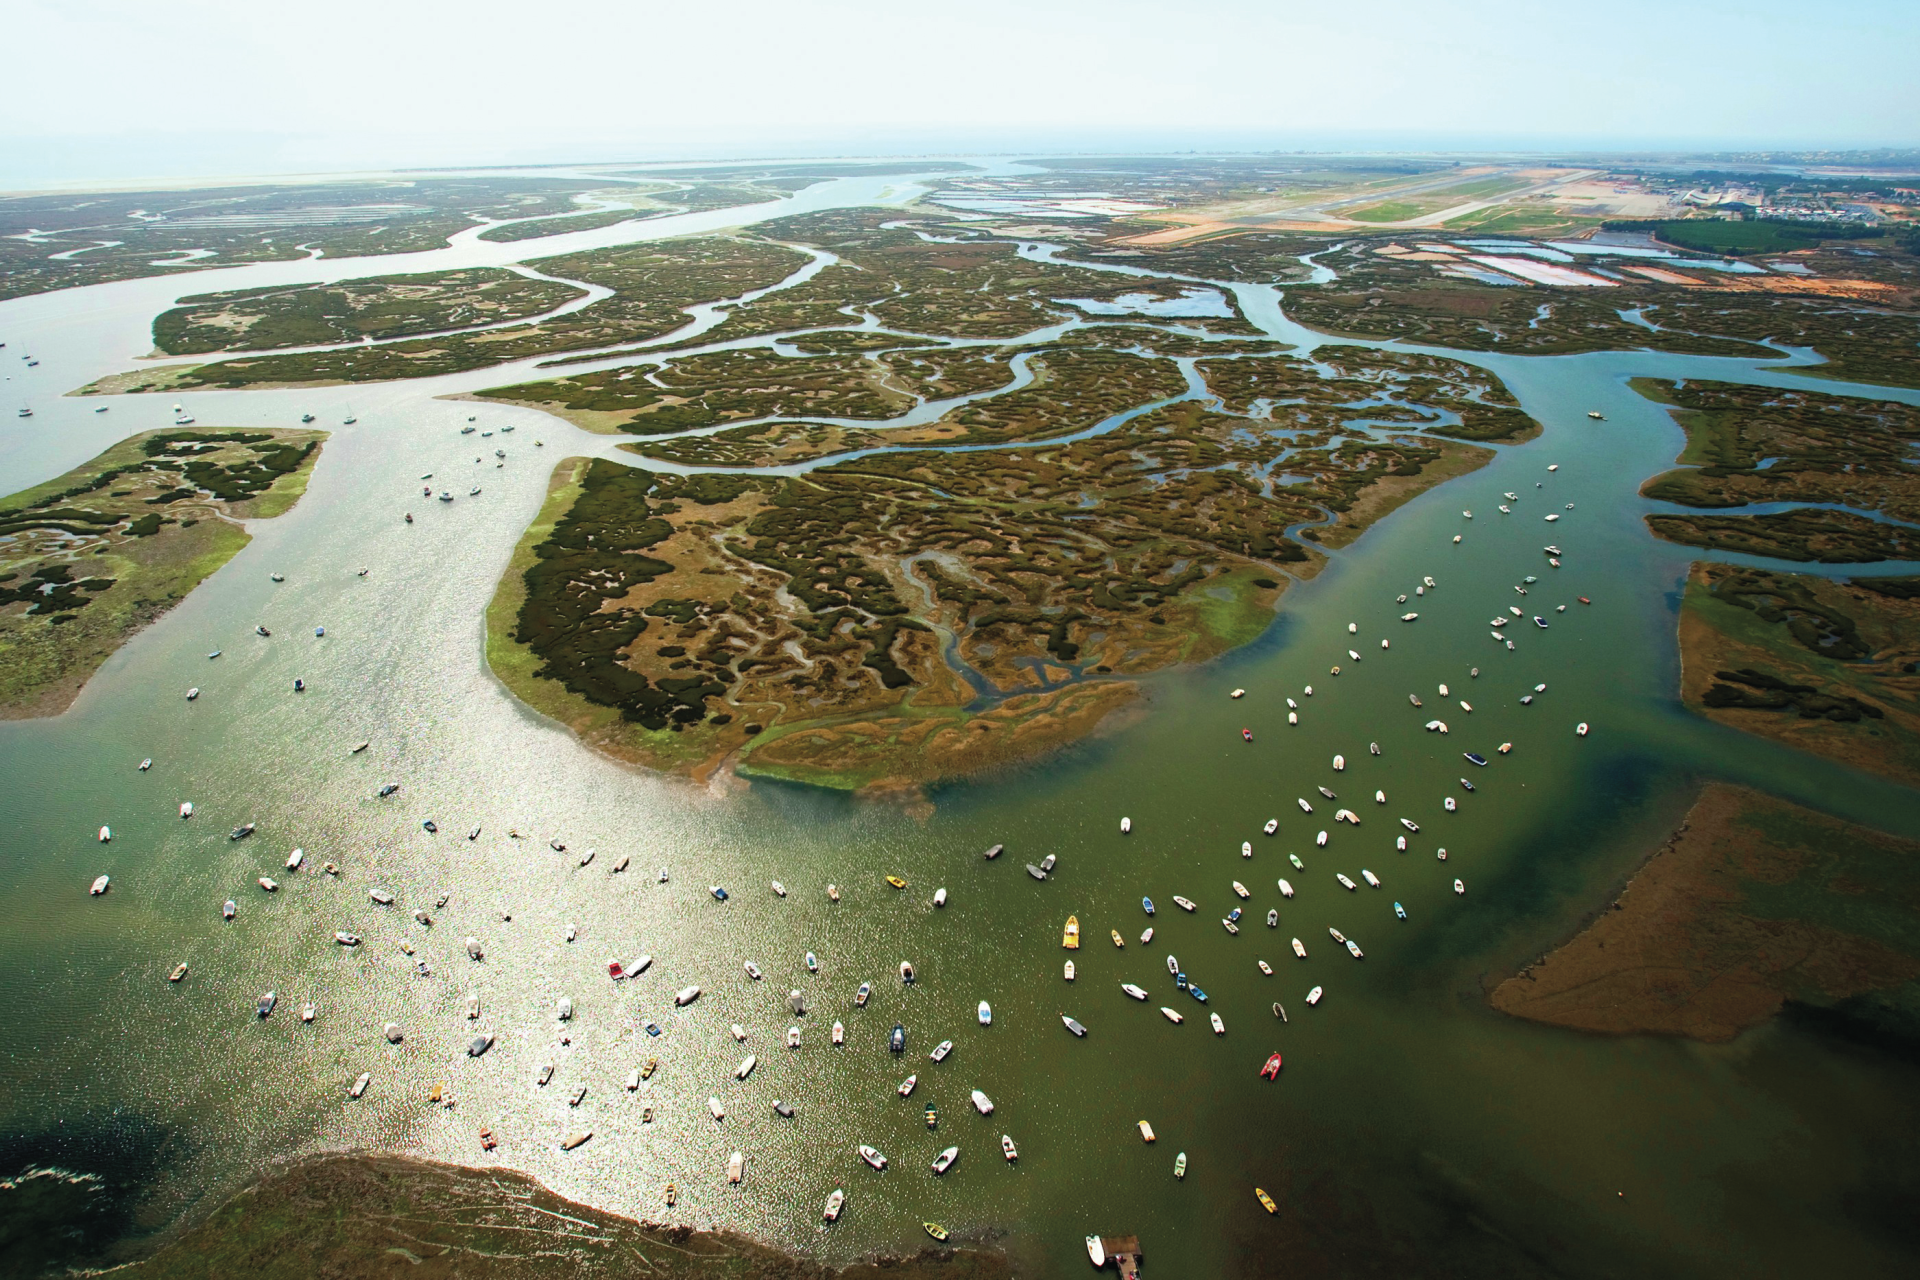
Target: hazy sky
[(116, 88)]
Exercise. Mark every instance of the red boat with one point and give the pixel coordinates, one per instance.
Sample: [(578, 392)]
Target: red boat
[(1272, 1070), (1247, 734), (616, 970), (1584, 600), (486, 1140)]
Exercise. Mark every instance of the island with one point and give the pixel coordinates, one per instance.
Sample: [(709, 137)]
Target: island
[(1754, 905), (95, 555), (887, 620)]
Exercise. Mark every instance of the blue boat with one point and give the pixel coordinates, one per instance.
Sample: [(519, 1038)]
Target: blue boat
[(1148, 904), (1180, 981), (1197, 994), (653, 1028), (720, 895), (1475, 758), (1400, 911), (389, 789), (898, 1040), (429, 826), (1234, 915)]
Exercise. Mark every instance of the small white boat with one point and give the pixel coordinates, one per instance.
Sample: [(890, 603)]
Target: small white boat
[(872, 1157), (834, 1201), (1450, 804), (393, 1033), (1273, 825), (1304, 806), (1219, 1027), (106, 835), (193, 693), (1133, 991), (1183, 903), (99, 885), (473, 1005), (1300, 948), (1265, 968), (1345, 883), (1459, 887), (294, 859), (753, 970), (1146, 935), (1069, 971), (715, 1109), (745, 1068), (473, 949), (146, 764), (944, 1161), (793, 1037), (1173, 1015), (346, 939), (939, 897), (736, 1168), (839, 1035), (833, 893), (1581, 729), (985, 1013), (1369, 877), (1173, 965), (360, 1086), (1246, 848), (812, 962), (1073, 1026), (186, 808), (578, 1137), (779, 889), (907, 1086), (1126, 825), (1313, 996), (1240, 890), (941, 1050), (686, 996), (1320, 839), (1229, 926), (1286, 889), (269, 884), (307, 1011)]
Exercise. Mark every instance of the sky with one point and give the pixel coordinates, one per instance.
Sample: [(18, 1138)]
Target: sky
[(99, 89)]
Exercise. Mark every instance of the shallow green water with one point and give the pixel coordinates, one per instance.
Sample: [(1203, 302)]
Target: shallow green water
[(1412, 1129)]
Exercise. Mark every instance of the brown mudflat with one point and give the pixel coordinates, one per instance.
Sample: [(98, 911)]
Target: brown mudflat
[(354, 1216), (1753, 902)]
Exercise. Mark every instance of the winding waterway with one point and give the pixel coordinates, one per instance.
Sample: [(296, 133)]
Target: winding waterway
[(1410, 1121)]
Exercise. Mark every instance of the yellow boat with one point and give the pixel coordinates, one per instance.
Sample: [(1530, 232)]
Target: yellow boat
[(1070, 938), (646, 1072), (1118, 941), (1266, 1200), (935, 1230), (1146, 1131), (896, 882)]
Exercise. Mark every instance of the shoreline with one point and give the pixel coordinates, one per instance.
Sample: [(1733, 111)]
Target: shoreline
[(359, 1214), (1751, 905)]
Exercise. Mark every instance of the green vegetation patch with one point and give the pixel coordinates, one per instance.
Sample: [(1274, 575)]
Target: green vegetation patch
[(1723, 235), (1827, 666), (652, 286), (381, 307), (92, 557), (1759, 444), (798, 620)]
